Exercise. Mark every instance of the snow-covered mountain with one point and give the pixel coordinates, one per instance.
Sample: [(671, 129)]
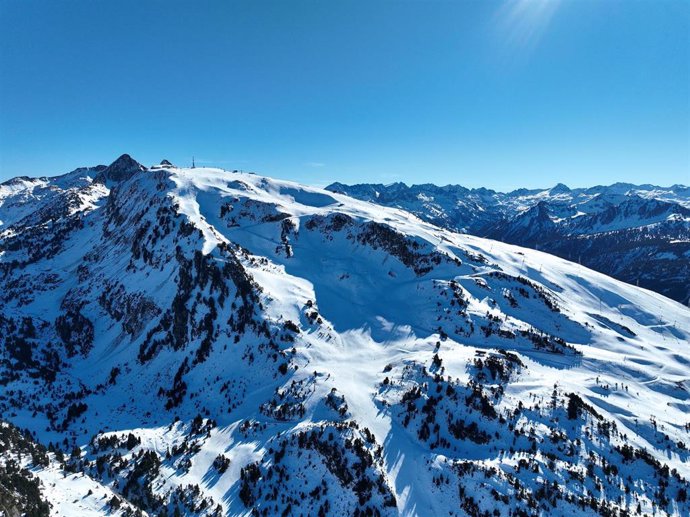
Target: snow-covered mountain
[(201, 342), (636, 233)]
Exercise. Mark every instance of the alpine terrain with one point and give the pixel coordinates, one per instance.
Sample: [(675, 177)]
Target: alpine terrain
[(637, 233), (180, 341)]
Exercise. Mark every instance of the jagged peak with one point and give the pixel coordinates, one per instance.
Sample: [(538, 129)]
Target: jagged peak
[(122, 168), (126, 161)]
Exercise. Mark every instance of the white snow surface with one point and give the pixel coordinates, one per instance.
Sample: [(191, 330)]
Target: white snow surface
[(378, 316)]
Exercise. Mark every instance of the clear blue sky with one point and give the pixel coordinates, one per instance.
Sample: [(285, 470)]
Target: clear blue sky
[(481, 93)]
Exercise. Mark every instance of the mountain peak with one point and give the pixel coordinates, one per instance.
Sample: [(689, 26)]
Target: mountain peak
[(122, 168), (560, 188)]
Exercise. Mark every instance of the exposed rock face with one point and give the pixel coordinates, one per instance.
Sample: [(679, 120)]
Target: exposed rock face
[(121, 169)]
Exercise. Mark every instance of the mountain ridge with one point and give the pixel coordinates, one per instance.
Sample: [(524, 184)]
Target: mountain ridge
[(277, 348), (558, 188), (578, 224)]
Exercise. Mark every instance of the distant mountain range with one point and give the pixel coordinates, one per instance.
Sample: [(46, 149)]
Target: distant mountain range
[(636, 233)]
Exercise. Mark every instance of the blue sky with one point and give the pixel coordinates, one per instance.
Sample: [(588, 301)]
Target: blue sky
[(481, 93)]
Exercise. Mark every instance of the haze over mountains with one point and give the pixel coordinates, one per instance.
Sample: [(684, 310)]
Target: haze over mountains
[(201, 342), (636, 233)]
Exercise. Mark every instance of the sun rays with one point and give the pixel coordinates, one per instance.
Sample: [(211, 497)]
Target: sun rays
[(522, 23)]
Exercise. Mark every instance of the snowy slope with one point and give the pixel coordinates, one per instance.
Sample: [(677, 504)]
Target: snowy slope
[(33, 481), (222, 343), (636, 233)]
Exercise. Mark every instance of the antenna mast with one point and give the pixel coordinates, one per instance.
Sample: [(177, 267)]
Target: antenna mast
[(193, 166)]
